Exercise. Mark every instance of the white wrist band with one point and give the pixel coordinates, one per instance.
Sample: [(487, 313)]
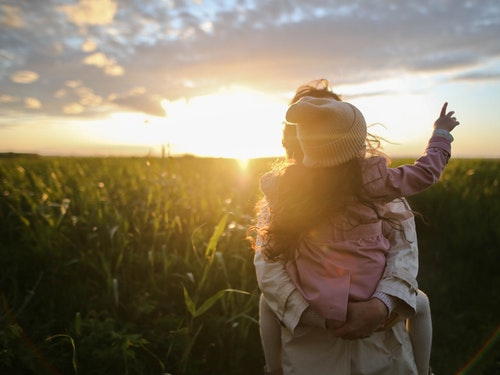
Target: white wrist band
[(443, 133)]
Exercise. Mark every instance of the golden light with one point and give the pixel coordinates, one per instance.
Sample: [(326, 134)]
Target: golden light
[(239, 123), (132, 129), (231, 123), (234, 122)]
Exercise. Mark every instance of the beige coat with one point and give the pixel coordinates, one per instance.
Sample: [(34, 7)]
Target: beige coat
[(314, 351)]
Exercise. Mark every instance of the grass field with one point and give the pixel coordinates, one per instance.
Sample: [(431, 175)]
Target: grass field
[(140, 266)]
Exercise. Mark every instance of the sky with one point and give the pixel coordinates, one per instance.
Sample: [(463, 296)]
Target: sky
[(214, 78)]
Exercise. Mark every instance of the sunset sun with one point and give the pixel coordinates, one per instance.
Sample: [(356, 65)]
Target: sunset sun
[(234, 122)]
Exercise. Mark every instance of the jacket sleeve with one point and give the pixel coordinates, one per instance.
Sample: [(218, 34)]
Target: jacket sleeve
[(280, 292), (275, 283), (386, 183), (399, 278)]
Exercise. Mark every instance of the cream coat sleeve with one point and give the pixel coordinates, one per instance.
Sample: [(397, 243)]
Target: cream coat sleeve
[(275, 283), (399, 278), (280, 293)]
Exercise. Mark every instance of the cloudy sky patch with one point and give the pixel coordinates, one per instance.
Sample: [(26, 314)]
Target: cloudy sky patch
[(183, 49)]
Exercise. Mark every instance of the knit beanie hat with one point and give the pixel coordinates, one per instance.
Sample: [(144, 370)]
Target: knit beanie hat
[(330, 132)]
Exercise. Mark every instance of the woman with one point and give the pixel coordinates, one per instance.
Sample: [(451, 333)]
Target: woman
[(307, 346)]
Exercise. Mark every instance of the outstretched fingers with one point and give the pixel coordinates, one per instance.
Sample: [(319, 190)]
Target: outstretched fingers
[(443, 110), (453, 118)]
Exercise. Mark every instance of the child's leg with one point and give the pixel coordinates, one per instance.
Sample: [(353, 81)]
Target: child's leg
[(270, 335), (420, 332)]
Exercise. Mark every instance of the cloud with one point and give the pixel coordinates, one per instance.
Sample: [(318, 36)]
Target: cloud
[(73, 109), (81, 98), (89, 45), (88, 98), (7, 99), (479, 76), (32, 103), (138, 99), (24, 76), (90, 12), (90, 57), (11, 16), (100, 60)]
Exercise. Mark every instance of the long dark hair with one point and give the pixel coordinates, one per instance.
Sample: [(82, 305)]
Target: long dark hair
[(303, 198)]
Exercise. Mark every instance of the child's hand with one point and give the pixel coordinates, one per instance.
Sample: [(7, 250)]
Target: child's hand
[(445, 120)]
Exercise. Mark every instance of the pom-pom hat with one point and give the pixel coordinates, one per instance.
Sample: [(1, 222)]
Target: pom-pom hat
[(330, 132)]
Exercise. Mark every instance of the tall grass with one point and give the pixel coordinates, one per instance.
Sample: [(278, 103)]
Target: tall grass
[(140, 266), (459, 241), (126, 266)]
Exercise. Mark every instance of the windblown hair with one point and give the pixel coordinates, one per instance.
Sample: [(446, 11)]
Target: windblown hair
[(304, 197)]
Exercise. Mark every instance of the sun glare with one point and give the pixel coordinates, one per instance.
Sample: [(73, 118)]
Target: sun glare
[(235, 122), (130, 129), (231, 123)]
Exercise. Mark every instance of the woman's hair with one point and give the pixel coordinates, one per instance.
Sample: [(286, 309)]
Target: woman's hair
[(319, 88), (304, 197)]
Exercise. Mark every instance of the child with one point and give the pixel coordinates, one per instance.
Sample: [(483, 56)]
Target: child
[(327, 216)]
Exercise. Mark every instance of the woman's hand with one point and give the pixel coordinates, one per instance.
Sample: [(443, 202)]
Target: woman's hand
[(446, 121), (363, 318)]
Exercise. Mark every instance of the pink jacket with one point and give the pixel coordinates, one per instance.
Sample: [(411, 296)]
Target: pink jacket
[(344, 258)]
